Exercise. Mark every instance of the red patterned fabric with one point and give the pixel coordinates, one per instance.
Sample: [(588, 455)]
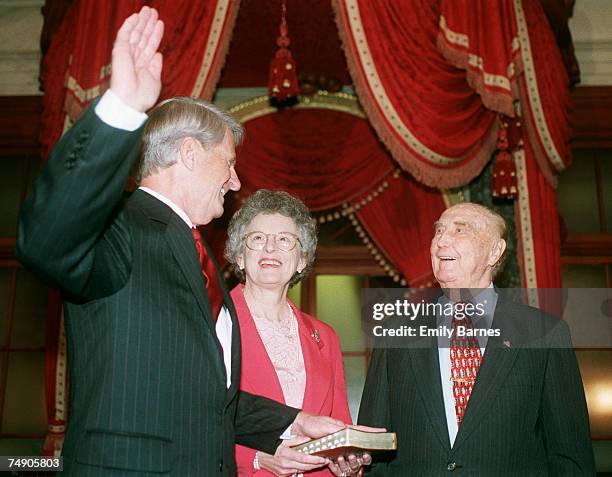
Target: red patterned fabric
[(333, 159), (465, 362), (209, 272)]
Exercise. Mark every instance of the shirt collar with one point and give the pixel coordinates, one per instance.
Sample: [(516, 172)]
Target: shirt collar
[(180, 212), (488, 299)]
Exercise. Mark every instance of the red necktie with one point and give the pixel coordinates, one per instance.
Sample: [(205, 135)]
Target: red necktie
[(465, 362), (215, 295)]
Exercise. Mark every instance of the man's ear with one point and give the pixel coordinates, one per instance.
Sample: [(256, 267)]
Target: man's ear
[(188, 151), (497, 250)]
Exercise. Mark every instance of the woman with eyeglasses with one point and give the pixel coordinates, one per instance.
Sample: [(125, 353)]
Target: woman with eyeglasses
[(287, 355)]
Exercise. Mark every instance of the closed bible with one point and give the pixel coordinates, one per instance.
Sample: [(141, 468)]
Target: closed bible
[(349, 441)]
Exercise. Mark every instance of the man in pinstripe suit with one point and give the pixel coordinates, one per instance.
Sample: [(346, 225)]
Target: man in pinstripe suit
[(526, 415), (154, 373)]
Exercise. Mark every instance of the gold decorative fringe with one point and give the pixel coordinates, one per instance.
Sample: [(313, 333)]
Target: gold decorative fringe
[(348, 210)]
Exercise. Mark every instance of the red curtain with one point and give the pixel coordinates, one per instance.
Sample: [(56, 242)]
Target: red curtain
[(422, 108), (537, 225), (480, 36), (433, 87), (509, 52), (324, 157), (401, 223), (76, 68), (332, 159)]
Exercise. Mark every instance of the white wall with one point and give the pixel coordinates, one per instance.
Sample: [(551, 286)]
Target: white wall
[(20, 26), (591, 28)]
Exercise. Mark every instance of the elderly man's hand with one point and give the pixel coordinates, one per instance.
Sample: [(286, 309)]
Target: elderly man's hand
[(351, 465), (136, 63)]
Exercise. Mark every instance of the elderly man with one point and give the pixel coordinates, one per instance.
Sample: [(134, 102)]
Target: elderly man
[(153, 343), (510, 403)]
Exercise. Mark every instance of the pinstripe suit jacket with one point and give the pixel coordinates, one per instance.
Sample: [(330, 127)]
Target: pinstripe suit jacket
[(527, 414), (148, 384)]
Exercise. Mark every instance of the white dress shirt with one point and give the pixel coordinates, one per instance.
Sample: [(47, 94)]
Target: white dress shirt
[(489, 299), (114, 112)]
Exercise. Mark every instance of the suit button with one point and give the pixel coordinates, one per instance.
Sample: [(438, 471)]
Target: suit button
[(220, 466), (451, 466)]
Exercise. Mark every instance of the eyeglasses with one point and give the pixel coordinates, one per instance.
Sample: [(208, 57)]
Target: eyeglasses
[(284, 241)]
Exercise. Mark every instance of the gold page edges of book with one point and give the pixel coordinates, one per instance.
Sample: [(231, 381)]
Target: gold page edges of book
[(349, 441)]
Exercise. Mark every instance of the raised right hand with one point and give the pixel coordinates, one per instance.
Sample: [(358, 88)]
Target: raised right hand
[(136, 63)]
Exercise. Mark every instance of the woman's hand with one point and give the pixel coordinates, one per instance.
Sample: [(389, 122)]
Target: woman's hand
[(287, 462)]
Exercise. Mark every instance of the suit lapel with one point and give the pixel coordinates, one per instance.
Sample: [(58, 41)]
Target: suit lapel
[(236, 351), (496, 364), (256, 355), (236, 346), (317, 377), (181, 243), (425, 365)]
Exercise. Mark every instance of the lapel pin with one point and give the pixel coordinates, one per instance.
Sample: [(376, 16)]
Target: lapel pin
[(507, 344), (315, 336)]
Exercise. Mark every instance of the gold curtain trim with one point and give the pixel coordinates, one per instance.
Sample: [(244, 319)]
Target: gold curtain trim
[(260, 106), (525, 242), (211, 47), (532, 86), (83, 95), (61, 382), (384, 104), (477, 62)]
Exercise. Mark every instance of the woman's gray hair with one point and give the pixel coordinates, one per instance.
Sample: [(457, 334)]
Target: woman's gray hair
[(272, 202), (177, 118)]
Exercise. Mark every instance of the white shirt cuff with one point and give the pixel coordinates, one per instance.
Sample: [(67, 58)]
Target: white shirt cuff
[(114, 112), (287, 434)]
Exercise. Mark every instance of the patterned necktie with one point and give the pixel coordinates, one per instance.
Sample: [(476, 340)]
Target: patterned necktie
[(215, 295), (465, 362)]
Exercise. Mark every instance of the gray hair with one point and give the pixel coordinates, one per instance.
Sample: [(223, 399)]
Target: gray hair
[(272, 202), (177, 118)]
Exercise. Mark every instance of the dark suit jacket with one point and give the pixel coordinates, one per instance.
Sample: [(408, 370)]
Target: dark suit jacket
[(148, 384), (527, 413)]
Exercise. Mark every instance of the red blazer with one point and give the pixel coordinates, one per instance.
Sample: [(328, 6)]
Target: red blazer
[(325, 392)]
